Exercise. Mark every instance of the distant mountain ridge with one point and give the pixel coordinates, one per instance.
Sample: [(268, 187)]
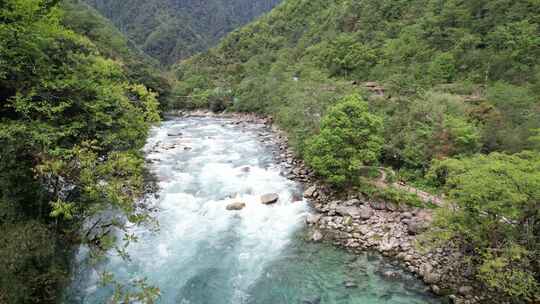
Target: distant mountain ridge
[(169, 30)]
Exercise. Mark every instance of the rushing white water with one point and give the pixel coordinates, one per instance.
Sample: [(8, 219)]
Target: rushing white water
[(206, 254)]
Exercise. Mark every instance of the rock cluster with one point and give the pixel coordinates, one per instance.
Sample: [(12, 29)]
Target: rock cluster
[(359, 224)]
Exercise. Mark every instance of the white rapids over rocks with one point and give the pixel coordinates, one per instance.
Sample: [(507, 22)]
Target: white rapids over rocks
[(205, 254)]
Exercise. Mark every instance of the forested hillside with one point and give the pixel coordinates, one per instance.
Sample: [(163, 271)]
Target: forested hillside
[(170, 30), (74, 114), (446, 93), (137, 65)]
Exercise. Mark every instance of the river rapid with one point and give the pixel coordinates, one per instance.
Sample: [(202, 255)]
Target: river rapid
[(205, 254)]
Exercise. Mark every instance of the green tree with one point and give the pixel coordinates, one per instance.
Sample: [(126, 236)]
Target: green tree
[(349, 139), (496, 218), (71, 127)]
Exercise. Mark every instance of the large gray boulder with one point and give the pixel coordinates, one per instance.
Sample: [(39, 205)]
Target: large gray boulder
[(347, 210), (365, 212), (270, 198), (236, 206)]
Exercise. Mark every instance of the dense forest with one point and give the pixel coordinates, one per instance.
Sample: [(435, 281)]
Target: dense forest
[(446, 93), (171, 30), (74, 113)]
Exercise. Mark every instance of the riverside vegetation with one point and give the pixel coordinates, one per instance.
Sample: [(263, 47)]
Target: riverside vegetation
[(73, 115), (445, 93)]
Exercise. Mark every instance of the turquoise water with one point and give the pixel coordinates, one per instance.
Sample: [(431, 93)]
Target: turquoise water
[(206, 254)]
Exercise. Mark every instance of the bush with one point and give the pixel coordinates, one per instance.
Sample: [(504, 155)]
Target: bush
[(495, 221), (349, 139)]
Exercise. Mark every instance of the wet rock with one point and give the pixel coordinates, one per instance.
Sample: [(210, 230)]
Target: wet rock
[(389, 274), (296, 198), (436, 289), (169, 146), (350, 284), (269, 199), (311, 192), (313, 219), (174, 133), (236, 206), (429, 275), (316, 300), (316, 236)]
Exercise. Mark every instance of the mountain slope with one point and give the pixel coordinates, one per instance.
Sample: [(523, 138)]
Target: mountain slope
[(138, 66), (488, 52), (171, 29)]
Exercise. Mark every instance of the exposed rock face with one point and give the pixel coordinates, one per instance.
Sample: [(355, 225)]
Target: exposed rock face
[(270, 198), (236, 206)]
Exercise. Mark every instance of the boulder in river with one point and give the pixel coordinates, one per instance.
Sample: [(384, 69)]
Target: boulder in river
[(174, 133), (350, 284), (236, 206), (269, 198), (316, 300)]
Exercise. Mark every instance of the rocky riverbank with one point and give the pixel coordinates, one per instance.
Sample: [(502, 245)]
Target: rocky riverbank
[(356, 223)]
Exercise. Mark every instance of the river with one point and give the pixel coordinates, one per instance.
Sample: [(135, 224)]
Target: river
[(204, 254)]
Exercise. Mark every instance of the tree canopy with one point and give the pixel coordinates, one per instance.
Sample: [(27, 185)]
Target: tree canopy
[(349, 139), (71, 126)]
